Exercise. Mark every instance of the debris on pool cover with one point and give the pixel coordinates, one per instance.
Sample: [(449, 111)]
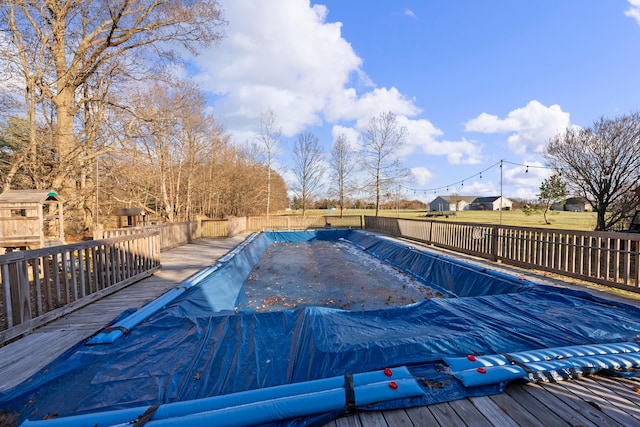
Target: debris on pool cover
[(326, 274)]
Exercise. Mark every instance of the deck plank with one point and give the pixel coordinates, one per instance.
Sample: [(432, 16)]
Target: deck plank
[(492, 412), (622, 402), (558, 406), (445, 415), (373, 419), (602, 399), (397, 418), (468, 411), (624, 387), (578, 404), (525, 409), (422, 416), (352, 420)]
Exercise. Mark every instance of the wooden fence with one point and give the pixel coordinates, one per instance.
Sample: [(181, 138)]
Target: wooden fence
[(607, 258), (171, 235), (210, 228), (261, 223), (181, 233), (40, 285)]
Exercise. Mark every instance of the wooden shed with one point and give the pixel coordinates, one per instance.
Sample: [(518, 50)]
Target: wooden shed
[(130, 217), (30, 219)]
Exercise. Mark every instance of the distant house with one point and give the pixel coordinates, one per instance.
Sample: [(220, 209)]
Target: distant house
[(494, 203), (451, 203), (574, 204), (130, 217)]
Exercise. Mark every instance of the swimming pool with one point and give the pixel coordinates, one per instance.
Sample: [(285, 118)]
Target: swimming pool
[(213, 337)]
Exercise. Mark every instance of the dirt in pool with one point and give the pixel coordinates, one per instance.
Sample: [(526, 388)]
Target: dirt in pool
[(327, 274)]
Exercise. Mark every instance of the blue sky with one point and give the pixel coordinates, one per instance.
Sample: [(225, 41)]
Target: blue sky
[(474, 82)]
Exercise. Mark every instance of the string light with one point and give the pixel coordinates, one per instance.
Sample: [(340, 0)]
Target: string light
[(480, 175)]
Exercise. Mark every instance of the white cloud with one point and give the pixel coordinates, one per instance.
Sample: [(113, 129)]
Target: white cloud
[(634, 10), (423, 136), (408, 12), (284, 55), (348, 105), (477, 188), (532, 125), (421, 175), (525, 180), (352, 135), (281, 55)]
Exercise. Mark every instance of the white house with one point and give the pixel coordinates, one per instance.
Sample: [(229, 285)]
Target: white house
[(574, 204), (451, 203), (493, 203)]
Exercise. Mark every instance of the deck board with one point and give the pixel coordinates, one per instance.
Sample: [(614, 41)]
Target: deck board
[(422, 416), (592, 401), (526, 410), (471, 412), (612, 399), (492, 412)]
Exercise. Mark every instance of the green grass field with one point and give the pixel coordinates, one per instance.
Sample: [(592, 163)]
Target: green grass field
[(585, 221)]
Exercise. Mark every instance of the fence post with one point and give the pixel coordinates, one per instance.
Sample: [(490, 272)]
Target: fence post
[(495, 243), (19, 289), (430, 239)]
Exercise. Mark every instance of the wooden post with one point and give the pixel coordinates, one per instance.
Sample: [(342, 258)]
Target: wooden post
[(495, 250), (19, 285)]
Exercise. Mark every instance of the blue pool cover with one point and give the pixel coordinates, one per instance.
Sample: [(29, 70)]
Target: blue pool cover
[(198, 345)]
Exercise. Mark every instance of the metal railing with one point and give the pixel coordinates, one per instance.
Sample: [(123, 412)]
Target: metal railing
[(38, 286), (607, 258)]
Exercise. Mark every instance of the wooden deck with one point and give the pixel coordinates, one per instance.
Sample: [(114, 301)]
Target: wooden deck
[(19, 360), (591, 401), (588, 402)]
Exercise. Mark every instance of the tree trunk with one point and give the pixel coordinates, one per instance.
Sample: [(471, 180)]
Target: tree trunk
[(64, 140)]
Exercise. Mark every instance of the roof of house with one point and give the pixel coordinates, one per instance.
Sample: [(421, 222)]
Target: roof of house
[(455, 199), (28, 196), (577, 199), (486, 199), (129, 212)]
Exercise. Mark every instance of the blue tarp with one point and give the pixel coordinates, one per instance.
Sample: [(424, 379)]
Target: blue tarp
[(198, 347)]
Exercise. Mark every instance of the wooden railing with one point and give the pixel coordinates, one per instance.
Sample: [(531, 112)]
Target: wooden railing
[(171, 234), (608, 258), (40, 285), (181, 233), (261, 223), (222, 227)]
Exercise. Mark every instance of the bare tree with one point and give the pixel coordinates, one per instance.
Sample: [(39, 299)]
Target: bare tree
[(342, 166), (308, 167), (73, 41), (602, 164), (268, 136), (382, 139), (170, 134)]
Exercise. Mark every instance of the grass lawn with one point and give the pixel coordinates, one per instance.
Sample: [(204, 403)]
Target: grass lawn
[(585, 221)]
